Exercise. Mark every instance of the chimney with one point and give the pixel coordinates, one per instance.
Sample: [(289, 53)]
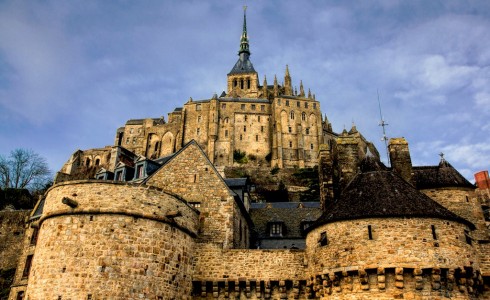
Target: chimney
[(400, 158)]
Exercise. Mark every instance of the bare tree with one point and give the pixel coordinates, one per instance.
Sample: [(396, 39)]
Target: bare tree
[(24, 169)]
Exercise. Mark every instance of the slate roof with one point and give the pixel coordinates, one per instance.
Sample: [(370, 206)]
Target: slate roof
[(442, 175), (235, 182), (243, 65), (291, 214), (380, 193)]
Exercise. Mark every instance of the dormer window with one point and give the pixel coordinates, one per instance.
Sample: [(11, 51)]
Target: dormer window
[(276, 229), (139, 171), (119, 175)]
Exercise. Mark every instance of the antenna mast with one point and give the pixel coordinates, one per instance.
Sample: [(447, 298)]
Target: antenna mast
[(383, 124)]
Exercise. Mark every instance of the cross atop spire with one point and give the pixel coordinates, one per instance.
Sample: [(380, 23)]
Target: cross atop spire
[(244, 46)]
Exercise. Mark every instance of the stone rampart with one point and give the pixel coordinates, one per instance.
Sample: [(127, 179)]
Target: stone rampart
[(12, 229)]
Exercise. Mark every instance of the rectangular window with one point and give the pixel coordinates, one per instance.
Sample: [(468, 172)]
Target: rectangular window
[(134, 140), (370, 232), (139, 171), (253, 106), (240, 137), (306, 104), (287, 102), (34, 235), (290, 144), (127, 140), (223, 106), (244, 128), (298, 104), (290, 129), (119, 176), (242, 107), (276, 229), (256, 138), (279, 102), (258, 118), (198, 107), (307, 130), (311, 146), (226, 133), (245, 118), (467, 237), (261, 128), (262, 108), (314, 105), (323, 241), (27, 266), (434, 235), (198, 119)]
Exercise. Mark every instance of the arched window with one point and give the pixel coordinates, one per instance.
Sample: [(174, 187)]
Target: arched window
[(241, 84), (235, 82), (248, 83), (87, 162), (292, 115), (303, 116), (97, 161)]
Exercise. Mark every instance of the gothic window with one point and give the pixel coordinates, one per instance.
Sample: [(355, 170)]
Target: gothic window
[(226, 120), (306, 104), (262, 108), (307, 130), (303, 116), (242, 106), (276, 229), (292, 115), (323, 241), (27, 266)]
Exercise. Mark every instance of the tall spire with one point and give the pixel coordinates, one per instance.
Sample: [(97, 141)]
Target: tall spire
[(244, 47)]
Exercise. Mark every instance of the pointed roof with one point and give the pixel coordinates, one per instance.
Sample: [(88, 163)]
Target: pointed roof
[(442, 175), (243, 65), (379, 193)]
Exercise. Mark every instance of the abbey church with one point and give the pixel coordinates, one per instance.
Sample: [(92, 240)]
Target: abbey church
[(252, 195)]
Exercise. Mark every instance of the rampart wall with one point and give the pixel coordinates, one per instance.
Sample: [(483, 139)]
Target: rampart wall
[(12, 230)]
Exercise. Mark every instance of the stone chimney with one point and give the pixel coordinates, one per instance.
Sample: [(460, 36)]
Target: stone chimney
[(400, 158)]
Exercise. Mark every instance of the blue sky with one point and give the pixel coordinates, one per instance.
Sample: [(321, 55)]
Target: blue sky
[(72, 72)]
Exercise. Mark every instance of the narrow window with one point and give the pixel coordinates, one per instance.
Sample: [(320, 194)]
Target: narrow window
[(287, 102), (467, 237), (119, 176), (241, 84), (195, 177), (97, 162), (307, 130), (306, 104), (314, 105), (127, 140), (139, 171), (467, 199), (223, 106), (323, 241), (226, 133), (245, 118), (292, 115), (298, 104), (198, 119), (156, 146), (262, 108), (256, 138), (34, 235), (261, 128), (311, 146), (87, 162), (198, 131), (253, 106), (89, 297), (279, 102), (235, 83), (134, 140), (290, 129), (276, 229), (27, 266), (370, 232), (20, 295), (258, 118), (131, 130), (139, 130), (290, 144), (226, 120), (248, 83), (434, 235), (242, 106), (303, 116), (240, 137), (244, 128)]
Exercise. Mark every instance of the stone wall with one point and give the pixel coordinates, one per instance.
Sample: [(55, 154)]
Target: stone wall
[(119, 242), (464, 203), (12, 230)]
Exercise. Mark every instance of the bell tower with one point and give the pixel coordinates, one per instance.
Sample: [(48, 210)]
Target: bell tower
[(243, 80)]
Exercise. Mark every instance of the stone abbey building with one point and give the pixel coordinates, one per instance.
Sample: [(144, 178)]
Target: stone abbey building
[(155, 217)]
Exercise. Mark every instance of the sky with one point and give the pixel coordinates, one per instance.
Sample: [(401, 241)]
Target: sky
[(72, 72)]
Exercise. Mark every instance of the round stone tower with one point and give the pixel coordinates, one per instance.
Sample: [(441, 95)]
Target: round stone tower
[(385, 240), (108, 240)]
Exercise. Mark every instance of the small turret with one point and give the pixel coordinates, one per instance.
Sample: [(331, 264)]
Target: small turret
[(264, 88), (301, 89), (276, 87), (288, 89)]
